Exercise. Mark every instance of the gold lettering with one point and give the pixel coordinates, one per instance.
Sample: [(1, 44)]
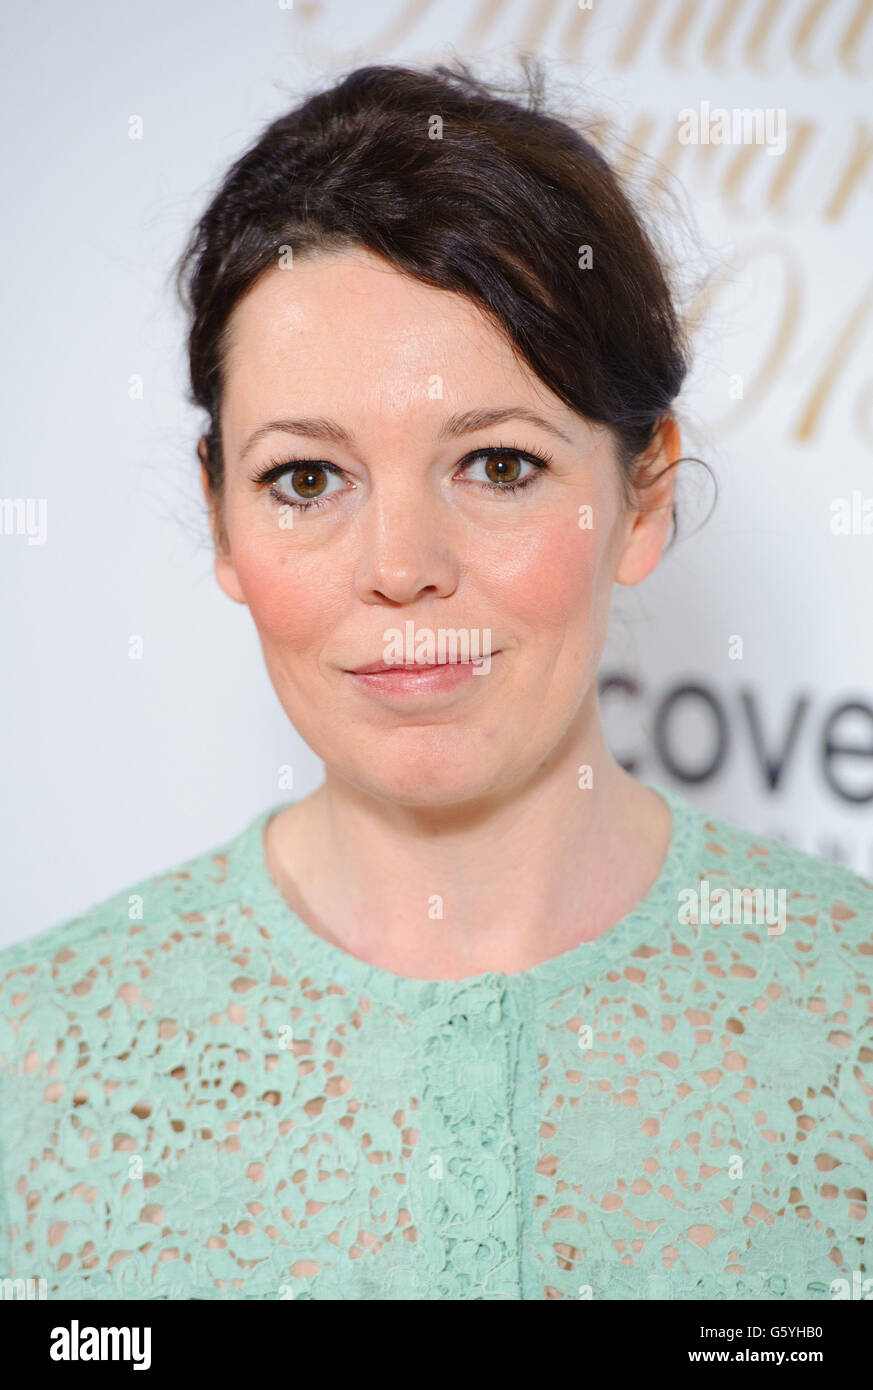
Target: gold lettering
[(858, 161), (680, 17), (718, 33), (542, 13), (785, 328), (804, 32), (677, 32), (736, 173), (629, 156), (808, 422), (575, 33), (852, 36), (760, 33), (863, 415), (786, 167), (636, 32)]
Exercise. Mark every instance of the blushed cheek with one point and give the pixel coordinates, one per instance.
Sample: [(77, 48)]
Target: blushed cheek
[(293, 602), (548, 578)]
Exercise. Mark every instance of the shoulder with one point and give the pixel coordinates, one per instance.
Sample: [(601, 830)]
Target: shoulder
[(734, 852), (818, 907), (131, 921)]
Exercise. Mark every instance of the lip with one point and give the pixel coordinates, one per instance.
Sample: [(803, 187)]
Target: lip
[(414, 678), (377, 667)]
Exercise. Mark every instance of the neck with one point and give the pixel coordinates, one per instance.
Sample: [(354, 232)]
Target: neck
[(496, 885)]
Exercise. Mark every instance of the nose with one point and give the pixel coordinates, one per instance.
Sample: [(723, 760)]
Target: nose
[(407, 547)]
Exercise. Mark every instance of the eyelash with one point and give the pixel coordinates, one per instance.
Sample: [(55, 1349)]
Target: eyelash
[(275, 468)]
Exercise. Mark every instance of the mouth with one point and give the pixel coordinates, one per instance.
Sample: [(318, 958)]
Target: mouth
[(410, 678), (379, 667)]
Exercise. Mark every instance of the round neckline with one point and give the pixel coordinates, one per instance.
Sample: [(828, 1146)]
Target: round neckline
[(575, 965)]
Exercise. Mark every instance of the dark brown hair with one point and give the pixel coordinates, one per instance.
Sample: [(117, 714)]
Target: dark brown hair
[(495, 200)]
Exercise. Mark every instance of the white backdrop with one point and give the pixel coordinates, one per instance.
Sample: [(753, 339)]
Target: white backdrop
[(113, 767)]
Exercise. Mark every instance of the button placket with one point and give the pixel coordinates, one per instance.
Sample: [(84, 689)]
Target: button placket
[(472, 1192)]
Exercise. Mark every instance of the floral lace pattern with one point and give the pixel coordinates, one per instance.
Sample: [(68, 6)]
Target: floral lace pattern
[(203, 1099)]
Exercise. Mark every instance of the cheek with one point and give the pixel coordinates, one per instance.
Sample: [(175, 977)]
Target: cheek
[(294, 598), (546, 579)]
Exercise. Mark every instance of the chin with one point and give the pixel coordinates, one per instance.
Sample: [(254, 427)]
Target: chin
[(428, 766)]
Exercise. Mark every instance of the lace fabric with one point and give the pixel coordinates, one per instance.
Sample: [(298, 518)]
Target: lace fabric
[(203, 1099)]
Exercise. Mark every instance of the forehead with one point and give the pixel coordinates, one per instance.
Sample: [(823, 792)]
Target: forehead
[(348, 331)]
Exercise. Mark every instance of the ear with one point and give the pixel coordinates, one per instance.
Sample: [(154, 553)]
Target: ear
[(225, 571), (649, 527)]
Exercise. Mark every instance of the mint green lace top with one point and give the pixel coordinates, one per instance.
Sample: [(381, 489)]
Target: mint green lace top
[(201, 1098)]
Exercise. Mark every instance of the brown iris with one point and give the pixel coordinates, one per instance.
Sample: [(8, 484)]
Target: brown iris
[(305, 480), (502, 468)]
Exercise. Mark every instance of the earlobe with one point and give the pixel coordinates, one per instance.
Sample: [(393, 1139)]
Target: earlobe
[(225, 571), (650, 526), (226, 575), (645, 544)]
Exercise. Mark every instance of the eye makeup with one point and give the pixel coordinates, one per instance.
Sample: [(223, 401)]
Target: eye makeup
[(277, 468)]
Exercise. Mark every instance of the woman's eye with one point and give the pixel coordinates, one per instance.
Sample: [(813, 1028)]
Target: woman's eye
[(306, 484), (502, 469)]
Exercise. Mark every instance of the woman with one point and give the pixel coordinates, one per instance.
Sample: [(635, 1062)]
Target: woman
[(482, 1017)]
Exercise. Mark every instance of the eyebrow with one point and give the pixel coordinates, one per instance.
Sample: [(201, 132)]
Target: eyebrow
[(469, 420), (463, 422), (312, 427)]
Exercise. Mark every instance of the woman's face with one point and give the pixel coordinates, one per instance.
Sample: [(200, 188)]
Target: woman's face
[(399, 399)]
